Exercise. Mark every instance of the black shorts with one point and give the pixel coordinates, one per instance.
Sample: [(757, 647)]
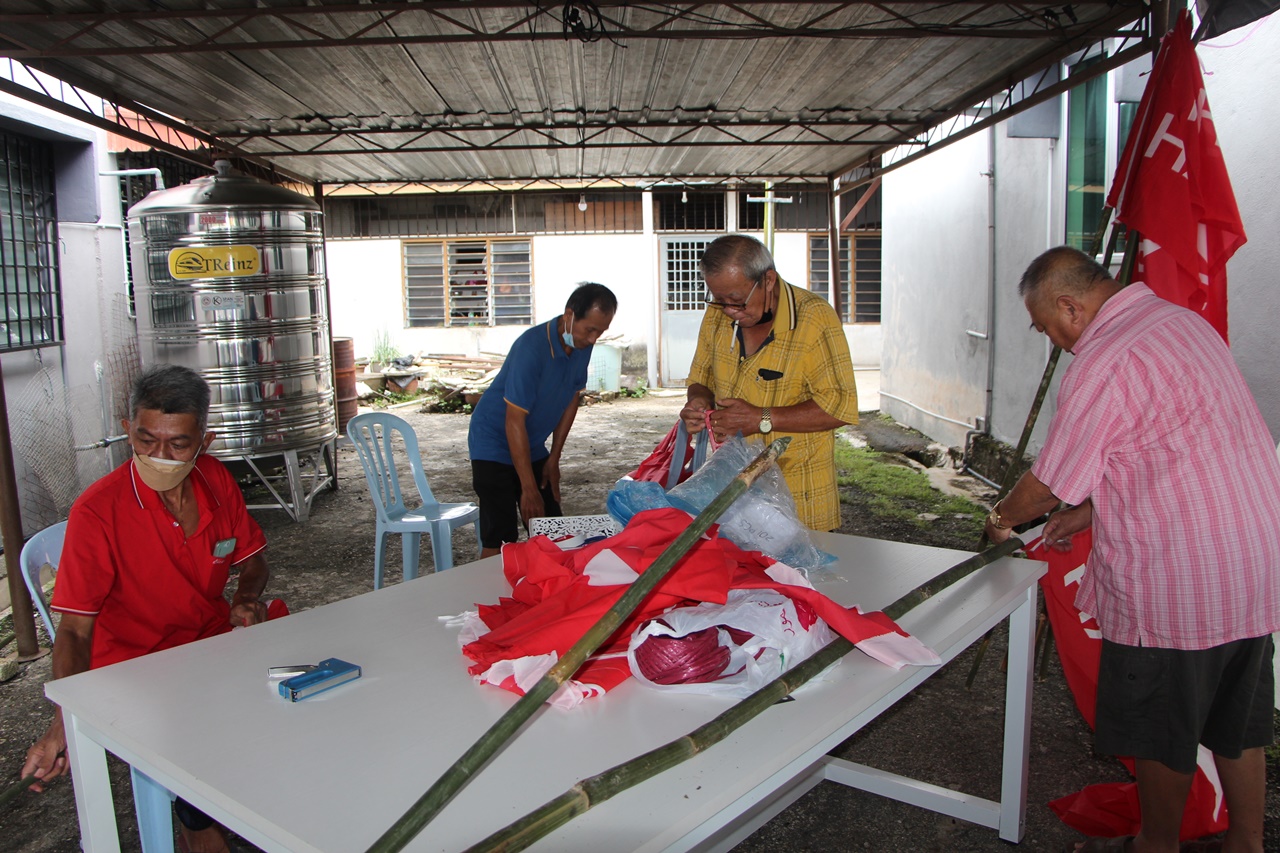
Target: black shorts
[(1160, 704), (497, 486)]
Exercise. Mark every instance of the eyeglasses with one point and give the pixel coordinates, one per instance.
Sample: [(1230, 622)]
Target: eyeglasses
[(731, 306)]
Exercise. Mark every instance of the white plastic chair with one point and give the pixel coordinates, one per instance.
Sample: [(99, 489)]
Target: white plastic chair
[(45, 548), (372, 434)]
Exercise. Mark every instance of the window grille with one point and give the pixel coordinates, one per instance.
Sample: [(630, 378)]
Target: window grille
[(689, 210), (682, 275), (865, 281), (29, 282), (468, 283)]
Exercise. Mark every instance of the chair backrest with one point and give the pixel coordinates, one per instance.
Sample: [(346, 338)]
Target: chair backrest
[(371, 434), (45, 548)]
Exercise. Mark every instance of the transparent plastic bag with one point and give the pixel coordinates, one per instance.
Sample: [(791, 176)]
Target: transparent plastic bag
[(764, 519)]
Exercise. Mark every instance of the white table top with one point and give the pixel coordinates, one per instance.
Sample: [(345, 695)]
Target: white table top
[(333, 772)]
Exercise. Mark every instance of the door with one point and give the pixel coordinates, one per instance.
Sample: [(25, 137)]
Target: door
[(682, 306)]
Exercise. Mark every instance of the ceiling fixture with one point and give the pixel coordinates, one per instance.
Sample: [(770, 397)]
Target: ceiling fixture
[(582, 202), (684, 196)]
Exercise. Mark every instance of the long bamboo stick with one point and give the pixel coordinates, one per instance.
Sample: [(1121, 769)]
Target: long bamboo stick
[(473, 760), (596, 789)]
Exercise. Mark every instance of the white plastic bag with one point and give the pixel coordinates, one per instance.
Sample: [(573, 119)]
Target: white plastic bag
[(778, 642)]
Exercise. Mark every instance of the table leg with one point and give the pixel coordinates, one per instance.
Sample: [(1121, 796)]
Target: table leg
[(151, 803), (1017, 718), (94, 803)]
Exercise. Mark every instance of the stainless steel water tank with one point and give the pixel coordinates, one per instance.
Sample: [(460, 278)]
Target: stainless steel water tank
[(229, 280)]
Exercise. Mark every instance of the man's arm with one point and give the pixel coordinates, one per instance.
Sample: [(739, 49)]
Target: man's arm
[(518, 444), (1028, 500), (740, 416), (72, 654), (551, 470), (246, 608)]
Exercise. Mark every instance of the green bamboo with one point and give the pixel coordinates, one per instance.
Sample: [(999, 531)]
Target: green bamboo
[(594, 790), (472, 761), (12, 792)]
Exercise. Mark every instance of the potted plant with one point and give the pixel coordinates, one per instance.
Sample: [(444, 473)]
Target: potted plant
[(384, 352)]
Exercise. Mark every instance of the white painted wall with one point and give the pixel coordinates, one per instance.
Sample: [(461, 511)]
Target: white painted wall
[(1242, 76), (61, 396), (627, 264), (936, 265), (935, 257)]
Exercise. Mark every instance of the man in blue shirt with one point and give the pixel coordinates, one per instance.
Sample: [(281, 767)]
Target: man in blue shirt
[(535, 395)]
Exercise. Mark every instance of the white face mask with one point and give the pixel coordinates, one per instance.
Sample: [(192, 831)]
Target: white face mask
[(567, 335), (163, 474)]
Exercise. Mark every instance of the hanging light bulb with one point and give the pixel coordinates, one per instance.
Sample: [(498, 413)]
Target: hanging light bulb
[(582, 202), (684, 196)]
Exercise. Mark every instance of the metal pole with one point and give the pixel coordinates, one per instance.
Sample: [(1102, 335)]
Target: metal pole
[(24, 623)]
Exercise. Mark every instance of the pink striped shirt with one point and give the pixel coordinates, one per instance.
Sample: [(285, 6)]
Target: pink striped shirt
[(1156, 425)]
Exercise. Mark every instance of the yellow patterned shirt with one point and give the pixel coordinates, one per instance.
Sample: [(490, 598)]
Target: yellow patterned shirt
[(805, 358)]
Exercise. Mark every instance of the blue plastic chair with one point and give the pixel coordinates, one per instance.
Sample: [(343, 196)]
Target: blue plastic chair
[(372, 435), (150, 800), (45, 548)]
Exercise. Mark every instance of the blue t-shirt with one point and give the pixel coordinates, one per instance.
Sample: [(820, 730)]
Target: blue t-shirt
[(540, 379)]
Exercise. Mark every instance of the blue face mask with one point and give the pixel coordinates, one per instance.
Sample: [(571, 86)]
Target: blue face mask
[(567, 335)]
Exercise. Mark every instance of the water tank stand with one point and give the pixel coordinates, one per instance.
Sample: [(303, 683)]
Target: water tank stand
[(305, 474)]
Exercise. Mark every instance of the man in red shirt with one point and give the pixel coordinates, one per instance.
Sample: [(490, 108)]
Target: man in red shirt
[(148, 553), (1158, 445)]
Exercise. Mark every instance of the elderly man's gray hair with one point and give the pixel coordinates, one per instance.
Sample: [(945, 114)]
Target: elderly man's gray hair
[(172, 390), (746, 253), (1065, 270)]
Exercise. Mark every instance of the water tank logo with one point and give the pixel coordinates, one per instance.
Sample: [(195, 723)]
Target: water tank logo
[(214, 261)]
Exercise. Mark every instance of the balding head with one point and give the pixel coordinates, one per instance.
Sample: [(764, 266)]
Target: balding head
[(1063, 290), (1064, 270)]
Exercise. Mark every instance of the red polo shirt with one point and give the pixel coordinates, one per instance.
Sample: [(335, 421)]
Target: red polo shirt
[(127, 562)]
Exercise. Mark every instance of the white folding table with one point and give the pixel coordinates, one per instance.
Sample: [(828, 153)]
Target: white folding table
[(333, 772)]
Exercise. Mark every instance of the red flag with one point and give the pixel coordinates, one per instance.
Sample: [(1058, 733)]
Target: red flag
[(1108, 809), (1171, 186)]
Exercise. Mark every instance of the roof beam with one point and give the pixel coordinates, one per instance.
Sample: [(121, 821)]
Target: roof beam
[(317, 26)]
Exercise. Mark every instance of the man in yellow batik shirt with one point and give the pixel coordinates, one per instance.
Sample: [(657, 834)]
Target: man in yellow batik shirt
[(772, 360)]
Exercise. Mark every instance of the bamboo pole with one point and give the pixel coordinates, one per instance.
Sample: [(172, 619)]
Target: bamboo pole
[(594, 790), (473, 760)]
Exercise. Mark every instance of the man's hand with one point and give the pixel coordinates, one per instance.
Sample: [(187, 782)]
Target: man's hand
[(47, 757), (996, 535), (734, 416), (1066, 523), (551, 475), (694, 414), (531, 505), (247, 611)]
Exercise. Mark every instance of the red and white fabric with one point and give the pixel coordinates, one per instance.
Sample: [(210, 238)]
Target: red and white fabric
[(557, 595), (1156, 425), (1172, 186), (1108, 809)]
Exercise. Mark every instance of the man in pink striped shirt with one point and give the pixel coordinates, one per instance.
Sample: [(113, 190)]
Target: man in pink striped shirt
[(1159, 446)]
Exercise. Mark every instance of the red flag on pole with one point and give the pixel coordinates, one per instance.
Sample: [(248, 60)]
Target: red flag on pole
[(1171, 186), (1108, 809)]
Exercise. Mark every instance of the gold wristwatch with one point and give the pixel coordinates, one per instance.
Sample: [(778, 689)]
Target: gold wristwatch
[(766, 421), (994, 518)]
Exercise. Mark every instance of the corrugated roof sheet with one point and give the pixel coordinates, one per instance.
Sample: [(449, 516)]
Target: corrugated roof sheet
[(469, 90)]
